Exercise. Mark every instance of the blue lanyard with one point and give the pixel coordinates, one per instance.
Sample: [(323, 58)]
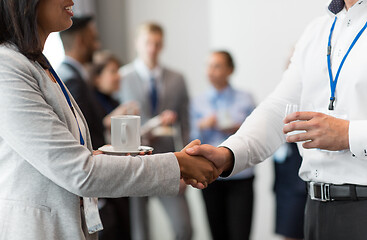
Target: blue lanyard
[(335, 81), (67, 98)]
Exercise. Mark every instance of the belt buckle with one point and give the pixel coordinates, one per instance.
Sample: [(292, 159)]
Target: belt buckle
[(324, 191)]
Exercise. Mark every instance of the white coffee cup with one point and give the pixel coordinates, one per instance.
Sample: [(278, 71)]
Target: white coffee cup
[(125, 133)]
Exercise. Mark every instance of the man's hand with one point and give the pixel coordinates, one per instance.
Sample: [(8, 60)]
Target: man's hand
[(196, 170), (208, 122), (322, 131), (221, 157), (129, 108), (168, 117)]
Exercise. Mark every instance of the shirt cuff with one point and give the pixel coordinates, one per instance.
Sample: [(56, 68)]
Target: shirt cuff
[(240, 155), (358, 138), (228, 172)]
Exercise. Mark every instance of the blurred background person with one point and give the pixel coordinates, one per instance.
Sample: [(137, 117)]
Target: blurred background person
[(215, 115), (163, 102), (106, 82), (290, 192), (114, 212), (80, 42)]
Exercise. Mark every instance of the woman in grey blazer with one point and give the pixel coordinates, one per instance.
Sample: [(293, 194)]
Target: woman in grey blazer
[(46, 160)]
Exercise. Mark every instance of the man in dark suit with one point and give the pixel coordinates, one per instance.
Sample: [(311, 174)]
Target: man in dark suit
[(80, 42)]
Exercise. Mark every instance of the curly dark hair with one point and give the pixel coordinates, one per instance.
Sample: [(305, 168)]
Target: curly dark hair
[(18, 26)]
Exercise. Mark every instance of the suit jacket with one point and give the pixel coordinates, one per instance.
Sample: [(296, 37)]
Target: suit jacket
[(172, 95), (43, 168), (85, 97)]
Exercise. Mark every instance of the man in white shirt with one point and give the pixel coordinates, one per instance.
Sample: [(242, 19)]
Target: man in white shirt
[(334, 120)]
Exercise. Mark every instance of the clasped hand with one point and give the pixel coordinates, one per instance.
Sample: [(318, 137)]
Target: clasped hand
[(202, 164), (321, 130), (196, 170)]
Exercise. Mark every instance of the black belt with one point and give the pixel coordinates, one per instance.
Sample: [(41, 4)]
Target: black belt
[(329, 192)]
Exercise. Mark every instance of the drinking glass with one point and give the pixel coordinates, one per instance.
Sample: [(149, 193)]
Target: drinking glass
[(291, 108)]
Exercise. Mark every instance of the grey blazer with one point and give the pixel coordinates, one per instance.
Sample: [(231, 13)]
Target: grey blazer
[(172, 95), (43, 167)]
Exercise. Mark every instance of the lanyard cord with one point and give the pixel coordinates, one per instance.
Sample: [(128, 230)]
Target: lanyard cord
[(333, 82), (67, 98)]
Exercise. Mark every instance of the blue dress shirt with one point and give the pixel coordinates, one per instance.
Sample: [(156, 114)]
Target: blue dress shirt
[(233, 105)]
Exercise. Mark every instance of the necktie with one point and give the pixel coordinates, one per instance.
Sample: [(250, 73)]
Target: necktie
[(336, 6), (153, 95)]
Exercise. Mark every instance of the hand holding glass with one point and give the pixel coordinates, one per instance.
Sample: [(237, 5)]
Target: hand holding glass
[(291, 108)]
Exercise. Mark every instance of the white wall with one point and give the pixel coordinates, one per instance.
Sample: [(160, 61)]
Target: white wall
[(260, 35)]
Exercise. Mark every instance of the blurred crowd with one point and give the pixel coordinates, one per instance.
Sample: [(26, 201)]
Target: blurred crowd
[(103, 86)]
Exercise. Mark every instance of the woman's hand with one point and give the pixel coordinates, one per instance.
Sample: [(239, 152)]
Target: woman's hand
[(183, 187), (196, 170), (97, 152)]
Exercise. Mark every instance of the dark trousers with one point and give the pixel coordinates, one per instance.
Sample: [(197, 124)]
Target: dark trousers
[(336, 220), (115, 218), (229, 208)]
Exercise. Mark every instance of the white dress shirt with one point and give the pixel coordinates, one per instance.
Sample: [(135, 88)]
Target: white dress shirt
[(146, 74), (306, 83)]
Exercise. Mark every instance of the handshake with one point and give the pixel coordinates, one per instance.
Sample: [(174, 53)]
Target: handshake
[(201, 165)]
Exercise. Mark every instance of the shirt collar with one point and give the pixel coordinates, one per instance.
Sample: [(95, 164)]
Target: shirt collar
[(226, 93), (337, 6), (78, 67), (145, 73)]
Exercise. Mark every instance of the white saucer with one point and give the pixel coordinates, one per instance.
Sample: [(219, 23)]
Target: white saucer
[(109, 150)]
